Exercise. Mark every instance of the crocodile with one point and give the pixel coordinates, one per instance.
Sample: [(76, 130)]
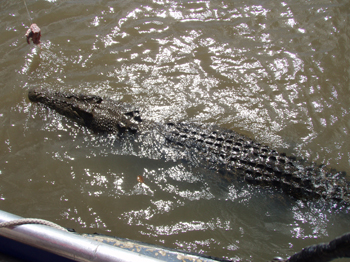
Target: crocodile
[(233, 155)]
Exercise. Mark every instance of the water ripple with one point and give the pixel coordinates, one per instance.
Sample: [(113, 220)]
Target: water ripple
[(275, 71)]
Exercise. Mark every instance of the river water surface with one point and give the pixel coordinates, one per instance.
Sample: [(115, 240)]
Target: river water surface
[(275, 71)]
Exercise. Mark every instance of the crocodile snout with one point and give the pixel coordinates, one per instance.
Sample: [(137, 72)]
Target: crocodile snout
[(34, 94)]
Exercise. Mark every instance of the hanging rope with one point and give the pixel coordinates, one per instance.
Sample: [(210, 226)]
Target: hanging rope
[(30, 19), (34, 31)]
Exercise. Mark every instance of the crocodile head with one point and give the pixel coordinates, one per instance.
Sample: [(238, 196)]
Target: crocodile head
[(94, 112)]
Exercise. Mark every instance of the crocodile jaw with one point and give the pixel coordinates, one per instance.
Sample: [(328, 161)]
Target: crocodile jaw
[(92, 111)]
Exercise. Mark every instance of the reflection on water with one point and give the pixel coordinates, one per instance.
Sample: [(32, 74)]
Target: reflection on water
[(275, 71)]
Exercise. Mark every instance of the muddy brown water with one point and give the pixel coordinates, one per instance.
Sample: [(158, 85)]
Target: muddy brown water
[(276, 71)]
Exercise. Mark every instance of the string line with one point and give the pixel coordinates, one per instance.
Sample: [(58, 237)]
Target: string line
[(27, 10)]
